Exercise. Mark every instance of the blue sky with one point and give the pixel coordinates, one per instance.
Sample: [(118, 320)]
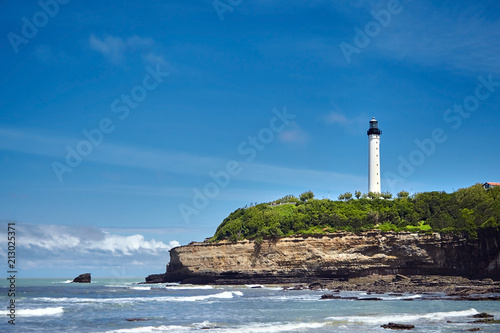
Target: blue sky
[(128, 127)]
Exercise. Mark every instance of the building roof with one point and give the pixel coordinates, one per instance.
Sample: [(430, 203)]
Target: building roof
[(492, 183)]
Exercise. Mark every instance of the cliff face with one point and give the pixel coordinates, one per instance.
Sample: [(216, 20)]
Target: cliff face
[(332, 256)]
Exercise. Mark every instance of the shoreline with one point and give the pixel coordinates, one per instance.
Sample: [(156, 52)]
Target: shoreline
[(451, 287), (432, 287)]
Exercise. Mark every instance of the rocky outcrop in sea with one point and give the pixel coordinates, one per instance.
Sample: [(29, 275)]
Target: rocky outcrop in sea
[(83, 278)]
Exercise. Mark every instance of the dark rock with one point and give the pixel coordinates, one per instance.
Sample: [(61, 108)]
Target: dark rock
[(297, 287), (485, 321), (136, 319), (475, 298), (380, 283), (330, 296), (475, 329), (482, 315), (256, 287), (156, 278), (316, 286), (400, 277), (82, 278), (370, 299), (394, 326)]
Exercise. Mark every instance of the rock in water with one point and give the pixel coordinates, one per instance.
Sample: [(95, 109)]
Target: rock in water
[(394, 326), (82, 278), (482, 315), (330, 296)]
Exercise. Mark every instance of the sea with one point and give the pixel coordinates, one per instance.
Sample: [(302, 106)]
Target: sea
[(124, 306)]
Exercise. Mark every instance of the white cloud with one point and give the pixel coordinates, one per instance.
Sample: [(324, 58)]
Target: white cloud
[(294, 134), (62, 248), (80, 239), (353, 125), (116, 49), (337, 118)]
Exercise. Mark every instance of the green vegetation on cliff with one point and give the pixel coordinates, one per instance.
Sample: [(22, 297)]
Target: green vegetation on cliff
[(467, 210)]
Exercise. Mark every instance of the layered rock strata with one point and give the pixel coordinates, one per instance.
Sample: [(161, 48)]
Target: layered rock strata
[(342, 255)]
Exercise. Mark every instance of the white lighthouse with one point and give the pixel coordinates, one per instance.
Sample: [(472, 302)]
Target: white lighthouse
[(374, 157)]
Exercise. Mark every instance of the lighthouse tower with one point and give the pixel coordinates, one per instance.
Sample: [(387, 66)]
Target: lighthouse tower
[(374, 157)]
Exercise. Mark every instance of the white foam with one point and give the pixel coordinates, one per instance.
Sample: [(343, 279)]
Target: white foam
[(188, 287), (121, 300), (140, 288), (147, 329), (296, 297), (251, 328), (275, 327), (273, 288), (57, 311), (254, 286), (383, 319), (397, 298)]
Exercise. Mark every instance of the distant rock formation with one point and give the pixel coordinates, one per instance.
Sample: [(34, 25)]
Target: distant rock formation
[(342, 255), (82, 278), (394, 326)]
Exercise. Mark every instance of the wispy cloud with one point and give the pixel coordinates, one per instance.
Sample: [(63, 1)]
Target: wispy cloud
[(459, 37), (49, 55), (294, 134), (352, 124), (306, 178), (175, 162), (116, 49)]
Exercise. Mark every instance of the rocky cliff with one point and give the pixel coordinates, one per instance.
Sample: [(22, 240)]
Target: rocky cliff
[(333, 256)]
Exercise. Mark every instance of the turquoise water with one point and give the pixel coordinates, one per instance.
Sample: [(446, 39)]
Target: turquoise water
[(55, 305)]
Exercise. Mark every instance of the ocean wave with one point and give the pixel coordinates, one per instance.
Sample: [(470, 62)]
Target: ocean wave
[(251, 328), (254, 286), (139, 288), (384, 319), (165, 328), (41, 312), (275, 327), (398, 298), (290, 297), (188, 287), (195, 298)]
